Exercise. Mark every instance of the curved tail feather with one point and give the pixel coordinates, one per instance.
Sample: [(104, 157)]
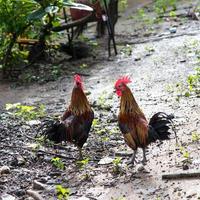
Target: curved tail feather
[(54, 131), (160, 127)]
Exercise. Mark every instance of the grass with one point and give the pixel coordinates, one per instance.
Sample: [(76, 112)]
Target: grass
[(26, 112), (57, 162), (62, 193)]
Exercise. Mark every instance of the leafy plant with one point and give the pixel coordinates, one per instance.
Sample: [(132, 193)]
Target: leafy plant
[(192, 86), (127, 50), (195, 137), (103, 102), (56, 72), (83, 163), (83, 66), (194, 81), (18, 16), (57, 162), (117, 165), (85, 39), (122, 5), (26, 112), (95, 122), (161, 6), (13, 23), (62, 193), (186, 154)]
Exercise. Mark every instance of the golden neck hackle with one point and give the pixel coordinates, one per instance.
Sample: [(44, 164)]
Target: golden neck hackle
[(79, 103), (128, 104)]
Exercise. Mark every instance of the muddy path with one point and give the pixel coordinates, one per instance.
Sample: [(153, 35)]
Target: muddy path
[(159, 71)]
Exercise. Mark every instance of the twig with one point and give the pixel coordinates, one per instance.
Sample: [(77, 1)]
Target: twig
[(57, 155), (181, 175), (34, 195), (42, 151)]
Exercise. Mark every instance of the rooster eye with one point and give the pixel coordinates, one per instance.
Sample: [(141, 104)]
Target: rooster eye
[(120, 86)]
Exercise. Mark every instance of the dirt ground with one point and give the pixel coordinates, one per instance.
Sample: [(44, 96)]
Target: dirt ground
[(158, 60)]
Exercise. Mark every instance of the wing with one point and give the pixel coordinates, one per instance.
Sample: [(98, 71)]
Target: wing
[(142, 130), (135, 131), (128, 130), (78, 127)]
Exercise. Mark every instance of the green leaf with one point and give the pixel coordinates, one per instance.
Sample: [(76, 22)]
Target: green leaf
[(38, 14), (187, 94), (10, 106)]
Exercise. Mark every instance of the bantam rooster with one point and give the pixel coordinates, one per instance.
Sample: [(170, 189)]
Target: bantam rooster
[(76, 122), (133, 124)]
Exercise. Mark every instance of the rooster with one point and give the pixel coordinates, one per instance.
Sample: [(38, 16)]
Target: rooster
[(137, 132), (76, 121)]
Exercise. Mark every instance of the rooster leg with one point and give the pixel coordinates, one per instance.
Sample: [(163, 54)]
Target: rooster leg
[(80, 153), (144, 156), (132, 161)]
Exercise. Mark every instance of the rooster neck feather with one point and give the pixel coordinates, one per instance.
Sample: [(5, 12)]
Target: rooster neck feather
[(79, 103), (128, 104)]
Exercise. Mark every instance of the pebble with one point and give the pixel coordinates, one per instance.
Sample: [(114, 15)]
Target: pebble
[(38, 186), (5, 170), (140, 168), (137, 59), (7, 197), (56, 173), (172, 30), (18, 161), (105, 160), (185, 167)]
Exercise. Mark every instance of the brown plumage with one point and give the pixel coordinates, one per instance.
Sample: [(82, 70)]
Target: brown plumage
[(137, 132), (76, 121)]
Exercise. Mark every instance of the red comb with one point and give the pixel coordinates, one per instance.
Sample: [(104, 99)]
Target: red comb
[(77, 78), (125, 80)]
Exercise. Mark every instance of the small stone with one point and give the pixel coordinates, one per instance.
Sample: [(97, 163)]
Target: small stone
[(182, 61), (44, 179), (18, 161), (5, 170), (7, 197), (185, 167), (38, 186), (56, 173), (141, 168), (172, 30), (20, 192), (137, 59), (33, 122), (105, 161)]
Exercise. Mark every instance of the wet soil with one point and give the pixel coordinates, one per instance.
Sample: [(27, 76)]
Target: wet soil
[(158, 61)]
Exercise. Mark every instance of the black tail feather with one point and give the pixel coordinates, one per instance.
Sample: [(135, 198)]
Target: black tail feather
[(54, 131), (160, 127)]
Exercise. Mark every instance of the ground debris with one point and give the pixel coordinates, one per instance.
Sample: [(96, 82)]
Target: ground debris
[(38, 186), (35, 195), (4, 170)]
